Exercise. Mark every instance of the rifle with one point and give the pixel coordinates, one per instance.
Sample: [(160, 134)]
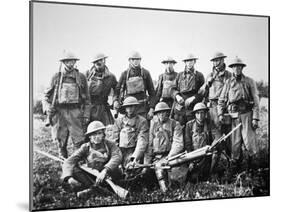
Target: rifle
[(121, 192), (49, 117), (150, 165), (199, 153)]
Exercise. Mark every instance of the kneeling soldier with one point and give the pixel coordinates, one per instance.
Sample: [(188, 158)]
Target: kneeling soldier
[(197, 135), (165, 140), (99, 153), (130, 132)]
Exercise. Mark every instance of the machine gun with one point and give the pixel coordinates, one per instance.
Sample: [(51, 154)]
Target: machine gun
[(121, 192)]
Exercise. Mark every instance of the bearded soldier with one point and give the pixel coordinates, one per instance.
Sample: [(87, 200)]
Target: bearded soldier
[(136, 81), (100, 154), (165, 140), (197, 135), (239, 97), (166, 82), (131, 133), (101, 82), (66, 101), (185, 92)]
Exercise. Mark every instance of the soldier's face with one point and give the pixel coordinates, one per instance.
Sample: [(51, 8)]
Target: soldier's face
[(100, 63), (169, 66), (237, 70), (130, 111), (190, 63), (135, 62), (218, 61), (97, 137), (163, 116), (69, 63), (200, 115)]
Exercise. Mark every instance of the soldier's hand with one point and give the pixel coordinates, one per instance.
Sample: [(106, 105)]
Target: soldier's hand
[(73, 183), (255, 124), (144, 171), (189, 101), (132, 163), (101, 176), (191, 166), (150, 114), (179, 99), (116, 105), (221, 119)]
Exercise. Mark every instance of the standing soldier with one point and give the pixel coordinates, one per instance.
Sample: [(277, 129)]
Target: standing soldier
[(101, 82), (131, 133), (239, 97), (185, 92), (213, 87), (66, 101), (197, 135), (166, 81), (165, 140), (136, 81), (100, 154)]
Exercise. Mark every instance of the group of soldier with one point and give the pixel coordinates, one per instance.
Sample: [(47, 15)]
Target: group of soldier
[(185, 112)]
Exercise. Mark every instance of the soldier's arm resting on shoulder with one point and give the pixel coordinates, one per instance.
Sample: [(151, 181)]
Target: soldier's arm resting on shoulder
[(177, 143), (159, 88), (142, 140), (115, 156), (72, 161)]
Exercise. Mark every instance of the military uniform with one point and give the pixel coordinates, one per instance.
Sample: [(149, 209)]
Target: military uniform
[(105, 155), (239, 97), (72, 104), (131, 135), (197, 136), (136, 82), (101, 83), (164, 87), (187, 85)]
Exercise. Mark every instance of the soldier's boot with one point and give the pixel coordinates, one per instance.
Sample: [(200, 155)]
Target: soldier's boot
[(162, 180)]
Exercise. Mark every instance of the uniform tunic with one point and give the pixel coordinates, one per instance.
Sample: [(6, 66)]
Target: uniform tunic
[(100, 86), (122, 90), (164, 87), (239, 97), (187, 85), (97, 156), (131, 135), (67, 119)]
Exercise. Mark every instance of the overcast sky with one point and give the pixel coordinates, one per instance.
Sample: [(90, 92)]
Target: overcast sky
[(87, 30)]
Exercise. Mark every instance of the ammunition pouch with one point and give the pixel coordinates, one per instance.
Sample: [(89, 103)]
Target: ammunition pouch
[(68, 93), (167, 88), (135, 85)]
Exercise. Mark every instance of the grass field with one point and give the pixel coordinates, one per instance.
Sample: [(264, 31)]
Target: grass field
[(49, 194)]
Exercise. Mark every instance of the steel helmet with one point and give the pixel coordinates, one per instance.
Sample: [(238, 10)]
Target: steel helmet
[(161, 106), (169, 59), (200, 106), (129, 101), (99, 56), (190, 57), (68, 56), (134, 55), (95, 126), (218, 55), (236, 61)]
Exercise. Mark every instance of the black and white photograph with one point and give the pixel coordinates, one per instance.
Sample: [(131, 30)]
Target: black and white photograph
[(134, 105)]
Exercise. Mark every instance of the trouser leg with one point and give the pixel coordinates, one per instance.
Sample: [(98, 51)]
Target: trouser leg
[(75, 127), (60, 133)]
